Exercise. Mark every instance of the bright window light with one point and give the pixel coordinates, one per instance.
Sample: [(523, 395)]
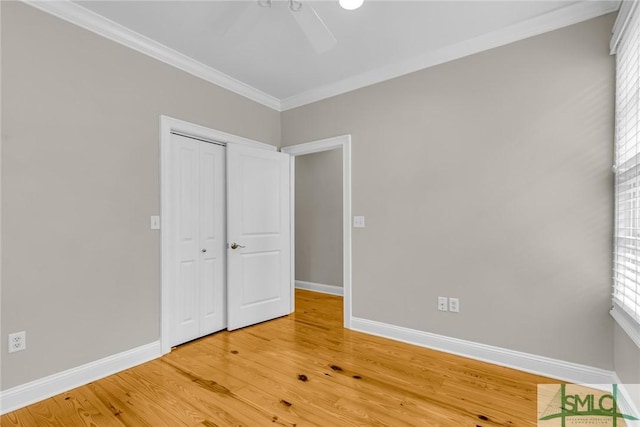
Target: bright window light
[(626, 257)]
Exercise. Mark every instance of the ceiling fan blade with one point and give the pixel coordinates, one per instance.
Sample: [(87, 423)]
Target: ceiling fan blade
[(314, 28), (227, 16), (245, 21)]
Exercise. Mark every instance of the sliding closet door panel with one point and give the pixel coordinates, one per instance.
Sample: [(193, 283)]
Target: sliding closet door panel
[(213, 238), (185, 177), (198, 226)]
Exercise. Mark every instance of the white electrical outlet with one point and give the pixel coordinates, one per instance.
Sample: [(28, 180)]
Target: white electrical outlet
[(442, 303), (17, 341), (454, 305)]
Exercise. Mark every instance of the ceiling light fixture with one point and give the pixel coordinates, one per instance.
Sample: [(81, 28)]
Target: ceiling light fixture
[(294, 5), (351, 4)]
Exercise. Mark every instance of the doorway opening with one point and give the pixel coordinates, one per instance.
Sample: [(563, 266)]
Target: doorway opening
[(339, 146)]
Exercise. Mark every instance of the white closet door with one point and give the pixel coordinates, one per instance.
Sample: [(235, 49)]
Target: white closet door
[(258, 222), (198, 209), (213, 316)]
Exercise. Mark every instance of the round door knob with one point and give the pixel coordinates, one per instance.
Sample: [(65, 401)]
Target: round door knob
[(204, 250)]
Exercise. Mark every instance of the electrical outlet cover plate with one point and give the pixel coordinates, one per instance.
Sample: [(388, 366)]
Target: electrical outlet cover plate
[(17, 341), (442, 303), (454, 305)]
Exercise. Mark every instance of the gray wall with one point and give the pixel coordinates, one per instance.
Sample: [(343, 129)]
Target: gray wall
[(627, 363), (488, 179), (80, 178), (318, 214)]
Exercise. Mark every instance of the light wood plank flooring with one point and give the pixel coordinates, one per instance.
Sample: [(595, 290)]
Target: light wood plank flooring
[(299, 370)]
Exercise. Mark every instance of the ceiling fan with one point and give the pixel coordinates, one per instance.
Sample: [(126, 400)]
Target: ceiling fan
[(310, 23), (313, 27)]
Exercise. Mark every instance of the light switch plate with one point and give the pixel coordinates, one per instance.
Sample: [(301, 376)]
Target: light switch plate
[(155, 222), (358, 222)]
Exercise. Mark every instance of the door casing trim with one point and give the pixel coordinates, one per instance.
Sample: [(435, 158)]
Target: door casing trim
[(344, 142)]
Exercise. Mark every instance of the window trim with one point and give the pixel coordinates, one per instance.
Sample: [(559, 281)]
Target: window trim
[(624, 320), (622, 21)]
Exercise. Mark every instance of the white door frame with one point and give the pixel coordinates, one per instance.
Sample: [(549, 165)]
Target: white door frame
[(344, 142), (168, 125)]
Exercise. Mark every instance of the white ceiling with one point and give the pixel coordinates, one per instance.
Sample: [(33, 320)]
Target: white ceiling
[(265, 48)]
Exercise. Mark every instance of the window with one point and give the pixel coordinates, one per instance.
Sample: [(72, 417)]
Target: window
[(626, 277)]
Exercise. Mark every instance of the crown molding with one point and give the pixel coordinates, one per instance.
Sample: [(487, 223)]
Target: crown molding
[(568, 15), (89, 20), (78, 15)]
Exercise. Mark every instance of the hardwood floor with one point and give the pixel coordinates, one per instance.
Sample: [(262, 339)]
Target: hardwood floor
[(300, 370)]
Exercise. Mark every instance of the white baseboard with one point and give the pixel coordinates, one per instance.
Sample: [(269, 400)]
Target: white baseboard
[(320, 287), (540, 365), (43, 388)]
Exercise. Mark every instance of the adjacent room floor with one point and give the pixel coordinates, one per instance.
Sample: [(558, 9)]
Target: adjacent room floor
[(299, 370)]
